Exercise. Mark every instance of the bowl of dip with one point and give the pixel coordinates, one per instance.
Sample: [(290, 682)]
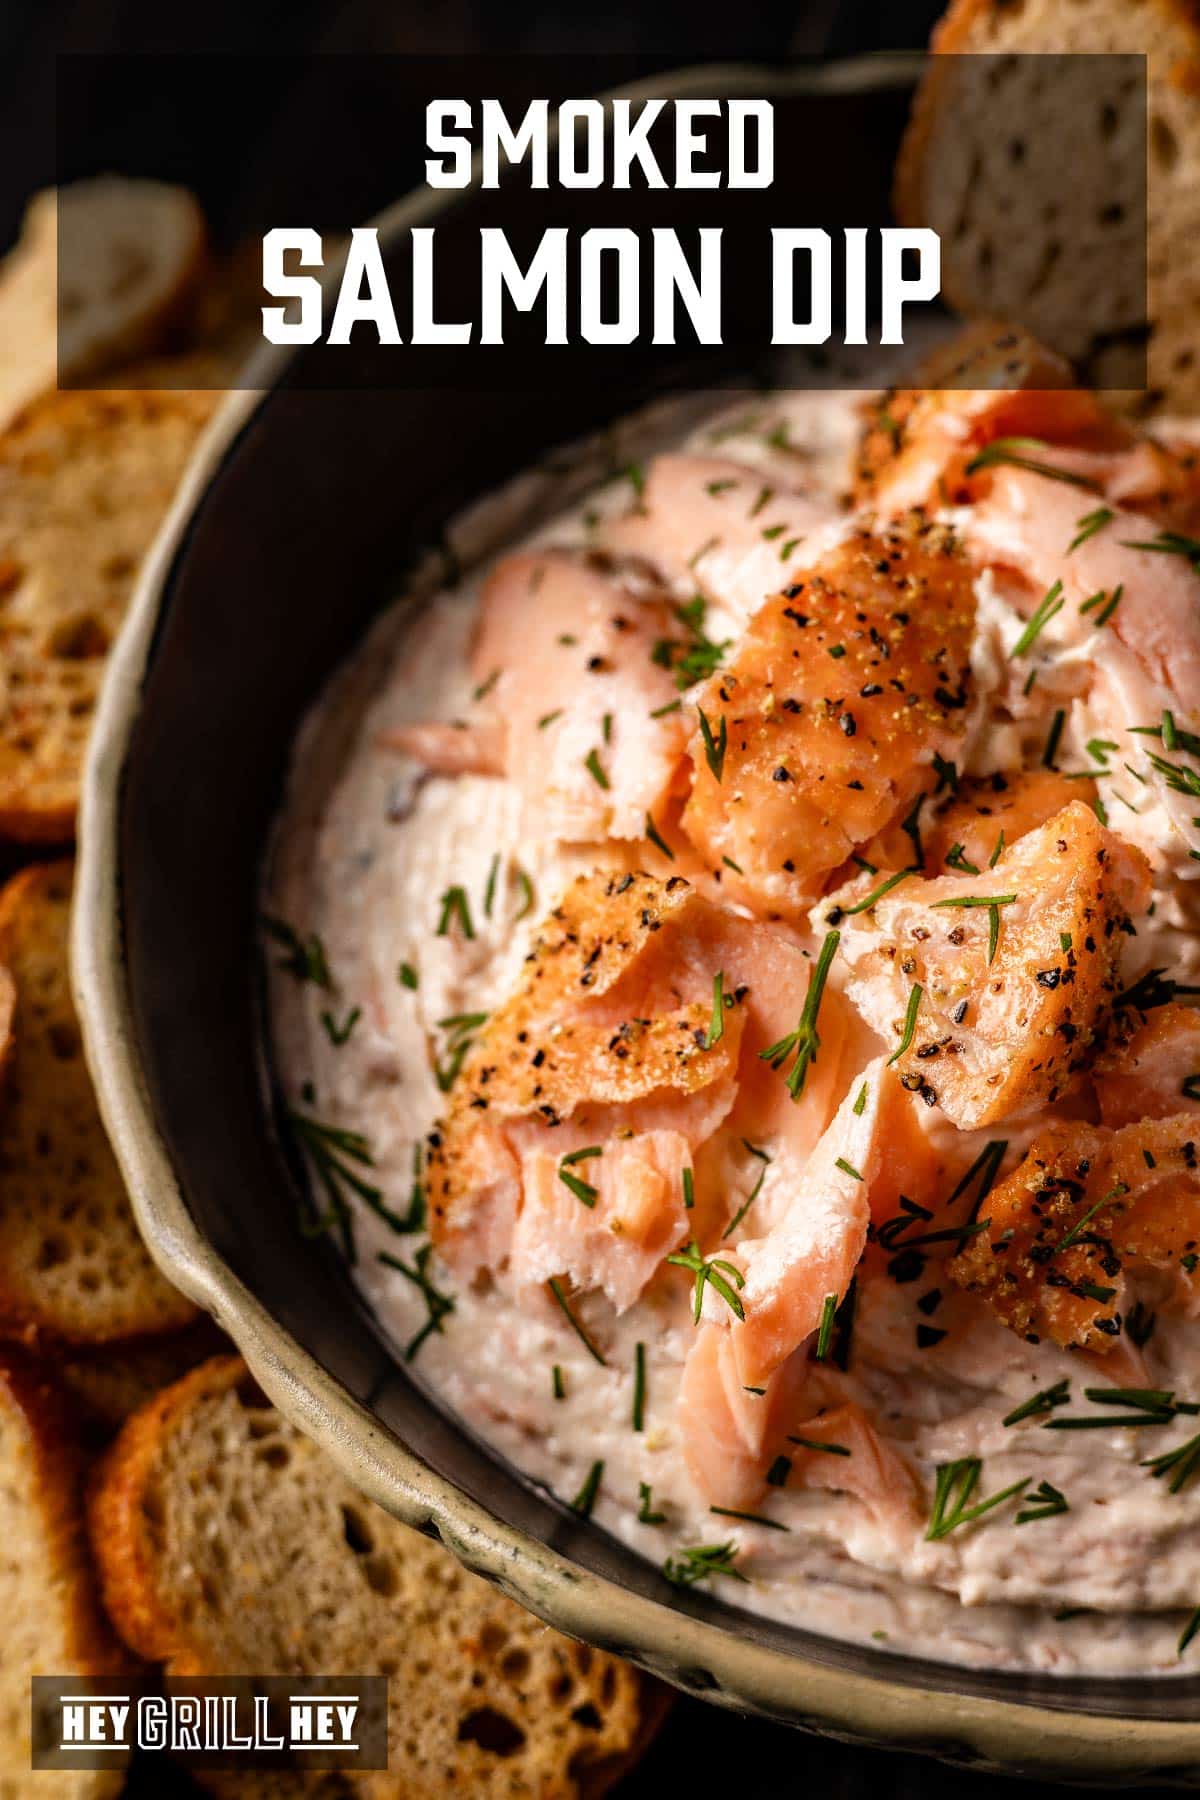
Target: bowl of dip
[(291, 534)]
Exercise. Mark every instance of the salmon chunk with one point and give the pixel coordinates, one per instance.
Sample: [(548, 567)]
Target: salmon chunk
[(994, 987), (1156, 1074), (728, 1435), (824, 726), (802, 1267), (1087, 1210), (990, 811), (572, 1144), (712, 526), (578, 704), (991, 382), (1027, 521)]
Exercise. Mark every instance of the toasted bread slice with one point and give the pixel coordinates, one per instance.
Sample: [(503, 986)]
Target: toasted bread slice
[(227, 1542), (107, 1382), (85, 479), (52, 1621), (974, 168), (72, 1265), (132, 253)]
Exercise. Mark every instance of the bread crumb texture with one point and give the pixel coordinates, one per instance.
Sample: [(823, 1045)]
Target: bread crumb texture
[(983, 165), (52, 1624), (226, 1540), (72, 1264)]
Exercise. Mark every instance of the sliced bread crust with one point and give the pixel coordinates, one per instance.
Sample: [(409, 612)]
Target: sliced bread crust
[(226, 1541), (85, 480), (73, 1266), (133, 254), (52, 1621), (965, 170)]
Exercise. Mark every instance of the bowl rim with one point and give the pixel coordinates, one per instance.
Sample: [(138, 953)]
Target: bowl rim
[(703, 1656)]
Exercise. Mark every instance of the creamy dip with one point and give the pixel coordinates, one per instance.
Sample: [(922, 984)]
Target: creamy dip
[(368, 847)]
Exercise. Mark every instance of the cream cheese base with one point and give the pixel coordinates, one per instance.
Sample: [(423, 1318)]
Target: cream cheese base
[(366, 845)]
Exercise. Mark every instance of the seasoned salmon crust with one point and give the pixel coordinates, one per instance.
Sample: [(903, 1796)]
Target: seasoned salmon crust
[(733, 968)]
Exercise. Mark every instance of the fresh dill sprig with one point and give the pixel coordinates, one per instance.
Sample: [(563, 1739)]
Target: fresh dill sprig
[(561, 1301), (955, 1484), (437, 1304), (1015, 452), (716, 745), (805, 1041), (716, 1273), (910, 1023), (305, 958), (699, 1562)]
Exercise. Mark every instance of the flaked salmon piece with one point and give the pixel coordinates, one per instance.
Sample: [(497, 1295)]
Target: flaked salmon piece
[(605, 1075), (1027, 522), (806, 1261), (1086, 1210), (462, 747), (825, 725), (994, 987), (1156, 1073), (569, 679), (989, 811), (729, 1436), (873, 1471), (728, 532), (991, 382)]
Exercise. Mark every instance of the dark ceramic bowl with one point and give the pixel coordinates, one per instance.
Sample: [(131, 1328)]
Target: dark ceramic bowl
[(296, 516)]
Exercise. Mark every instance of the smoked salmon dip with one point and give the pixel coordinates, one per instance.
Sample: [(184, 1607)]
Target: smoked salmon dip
[(733, 994)]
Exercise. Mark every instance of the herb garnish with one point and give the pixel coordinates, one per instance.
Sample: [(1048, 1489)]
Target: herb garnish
[(1045, 1502), (454, 904), (716, 1025), (805, 1041), (659, 842), (1169, 543), (713, 1272), (489, 892), (1014, 451), (1089, 525), (591, 763), (1053, 738), (645, 1502), (819, 1444), (1188, 1633), (573, 1322), (558, 1385), (956, 858), (1045, 1401), (701, 1561), (582, 1190), (526, 888), (825, 1329), (993, 902), (910, 1023), (876, 894), (585, 1499), (305, 957), (639, 1386), (1180, 1464), (1108, 604), (339, 1034), (407, 976), (751, 1197), (460, 1029), (714, 747), (331, 1149), (956, 1482), (1046, 609), (437, 1304), (749, 1518)]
